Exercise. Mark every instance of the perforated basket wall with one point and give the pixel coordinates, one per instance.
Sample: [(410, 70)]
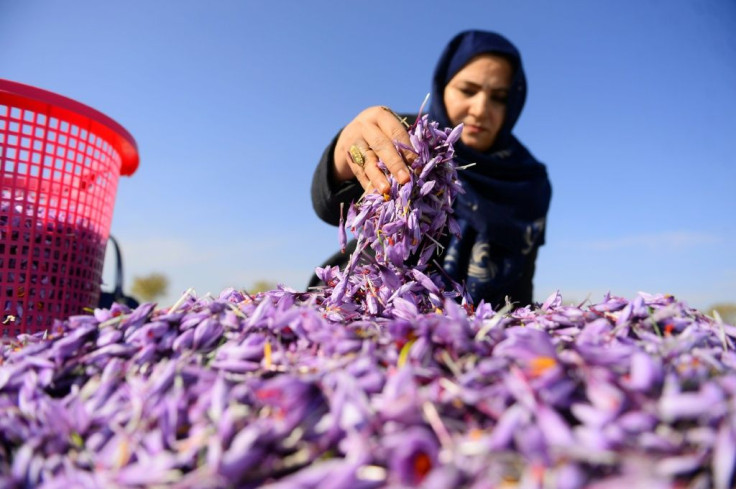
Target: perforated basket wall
[(60, 172)]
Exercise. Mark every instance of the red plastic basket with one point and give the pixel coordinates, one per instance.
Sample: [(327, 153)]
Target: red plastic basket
[(60, 162)]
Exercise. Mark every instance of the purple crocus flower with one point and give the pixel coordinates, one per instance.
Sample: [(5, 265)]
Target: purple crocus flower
[(243, 455), (399, 400), (645, 374), (532, 349), (724, 455), (556, 430), (329, 474), (708, 401), (412, 454), (294, 401), (502, 434)]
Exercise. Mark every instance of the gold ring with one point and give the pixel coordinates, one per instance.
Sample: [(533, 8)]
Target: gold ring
[(357, 155)]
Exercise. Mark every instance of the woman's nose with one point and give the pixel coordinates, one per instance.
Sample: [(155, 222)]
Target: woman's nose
[(479, 106)]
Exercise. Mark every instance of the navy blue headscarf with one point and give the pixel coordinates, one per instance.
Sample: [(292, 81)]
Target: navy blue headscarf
[(503, 211)]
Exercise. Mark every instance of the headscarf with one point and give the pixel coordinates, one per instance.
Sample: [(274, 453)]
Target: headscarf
[(503, 211)]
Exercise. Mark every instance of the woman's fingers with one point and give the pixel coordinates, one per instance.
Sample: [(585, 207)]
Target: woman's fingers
[(364, 163), (370, 137), (380, 138), (377, 179)]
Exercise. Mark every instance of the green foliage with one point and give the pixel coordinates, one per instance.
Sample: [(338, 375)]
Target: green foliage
[(261, 286), (150, 287), (726, 310)]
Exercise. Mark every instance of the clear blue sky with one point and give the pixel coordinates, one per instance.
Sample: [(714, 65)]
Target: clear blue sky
[(632, 106)]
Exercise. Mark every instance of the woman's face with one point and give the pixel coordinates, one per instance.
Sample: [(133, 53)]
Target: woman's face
[(476, 96)]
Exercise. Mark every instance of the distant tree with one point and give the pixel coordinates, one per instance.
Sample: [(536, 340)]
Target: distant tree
[(261, 286), (727, 311), (150, 287)]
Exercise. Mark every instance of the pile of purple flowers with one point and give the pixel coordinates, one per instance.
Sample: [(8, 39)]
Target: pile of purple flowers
[(330, 388), (268, 391)]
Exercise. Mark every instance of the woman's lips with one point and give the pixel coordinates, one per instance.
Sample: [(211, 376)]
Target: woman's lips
[(473, 129)]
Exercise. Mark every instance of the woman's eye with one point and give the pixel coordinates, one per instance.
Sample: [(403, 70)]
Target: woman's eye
[(501, 99)]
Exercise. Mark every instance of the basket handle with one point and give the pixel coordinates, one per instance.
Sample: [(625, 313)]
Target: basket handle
[(118, 267), (117, 295)]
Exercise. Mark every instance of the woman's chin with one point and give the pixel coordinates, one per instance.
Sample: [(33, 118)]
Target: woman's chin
[(476, 143)]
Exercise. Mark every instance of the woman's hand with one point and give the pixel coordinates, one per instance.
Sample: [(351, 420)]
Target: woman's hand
[(368, 138)]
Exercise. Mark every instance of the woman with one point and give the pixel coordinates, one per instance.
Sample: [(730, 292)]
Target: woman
[(478, 81)]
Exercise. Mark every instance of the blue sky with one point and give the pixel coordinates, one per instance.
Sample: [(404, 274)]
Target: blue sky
[(632, 106)]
